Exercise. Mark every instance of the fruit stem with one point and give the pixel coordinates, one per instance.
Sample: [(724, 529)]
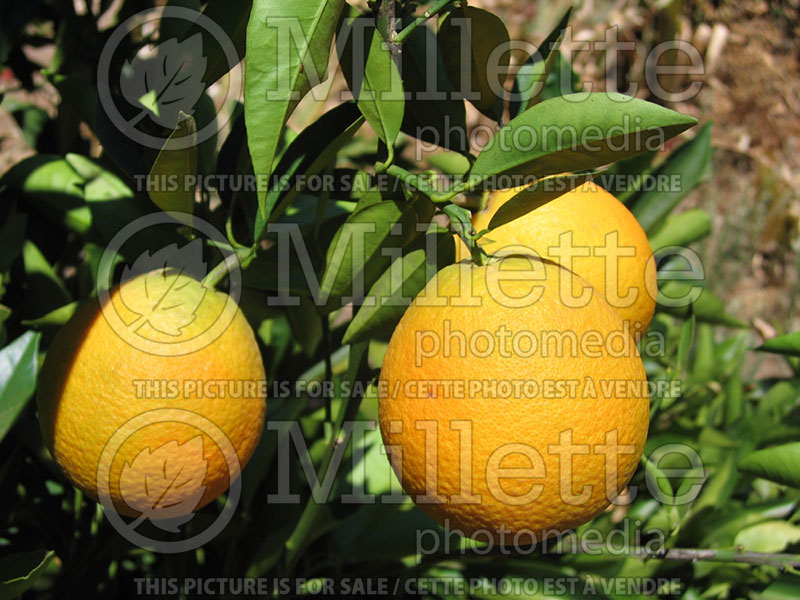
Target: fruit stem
[(431, 12), (239, 258)]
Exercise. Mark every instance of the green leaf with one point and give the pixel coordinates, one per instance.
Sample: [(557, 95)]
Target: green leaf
[(54, 319), (734, 398), (685, 345), (53, 188), (373, 78), (530, 80), (176, 161), (12, 234), (305, 324), (44, 289), (474, 34), (231, 17), (784, 344), (356, 253), (784, 588), (110, 200), (18, 572), (708, 308), (704, 366), (577, 132), (681, 230), (205, 115), (18, 368), (562, 79), (288, 44), (432, 114), (770, 536), (394, 290), (778, 401), (780, 464), (719, 487), (536, 195), (626, 177), (308, 154), (683, 170)]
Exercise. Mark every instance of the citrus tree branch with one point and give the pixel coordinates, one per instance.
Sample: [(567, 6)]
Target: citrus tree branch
[(724, 555), (307, 527), (434, 10)]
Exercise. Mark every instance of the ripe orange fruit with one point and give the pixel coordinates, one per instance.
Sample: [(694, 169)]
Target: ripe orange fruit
[(611, 248), (153, 396), (531, 435)]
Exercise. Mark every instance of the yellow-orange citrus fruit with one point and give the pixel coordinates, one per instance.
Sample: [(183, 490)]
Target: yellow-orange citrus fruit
[(152, 397), (506, 410), (611, 250)]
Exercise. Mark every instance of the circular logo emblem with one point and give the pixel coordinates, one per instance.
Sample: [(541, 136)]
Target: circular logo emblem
[(164, 81), (165, 481), (161, 307)]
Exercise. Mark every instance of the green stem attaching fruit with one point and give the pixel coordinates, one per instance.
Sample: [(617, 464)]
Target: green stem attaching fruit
[(241, 258)]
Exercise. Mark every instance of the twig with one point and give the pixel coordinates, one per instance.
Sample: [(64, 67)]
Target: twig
[(431, 12), (724, 555)]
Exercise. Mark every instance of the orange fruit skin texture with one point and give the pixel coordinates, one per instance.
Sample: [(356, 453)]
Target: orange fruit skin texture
[(535, 422), (590, 213), (87, 392)]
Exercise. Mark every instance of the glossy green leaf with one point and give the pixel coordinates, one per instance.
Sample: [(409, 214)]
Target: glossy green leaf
[(626, 177), (288, 44), (707, 307), (479, 37), (536, 195), (394, 290), (110, 200), (784, 344), (577, 132), (780, 463), (231, 18), (531, 78), (562, 79), (786, 587), (719, 528), (681, 230), (44, 291), (53, 188), (55, 318), (778, 401), (177, 164), (18, 368), (308, 154), (684, 169), (770, 536), (18, 572), (431, 113), (372, 77), (356, 253), (305, 324)]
